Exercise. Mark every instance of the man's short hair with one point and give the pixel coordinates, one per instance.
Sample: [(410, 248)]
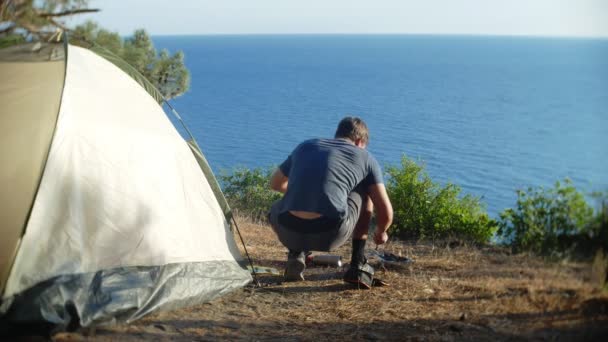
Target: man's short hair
[(353, 128)]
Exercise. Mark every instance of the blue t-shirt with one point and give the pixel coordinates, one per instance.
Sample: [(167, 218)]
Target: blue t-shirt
[(322, 172)]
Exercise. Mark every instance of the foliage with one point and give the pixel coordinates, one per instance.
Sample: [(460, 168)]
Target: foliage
[(248, 191), (166, 72), (550, 220), (544, 220), (10, 40), (598, 228), (425, 209), (26, 20), (37, 19)]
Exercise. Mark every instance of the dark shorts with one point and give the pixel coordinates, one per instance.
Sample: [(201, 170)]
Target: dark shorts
[(321, 234)]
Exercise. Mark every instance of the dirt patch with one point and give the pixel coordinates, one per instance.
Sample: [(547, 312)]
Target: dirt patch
[(462, 293)]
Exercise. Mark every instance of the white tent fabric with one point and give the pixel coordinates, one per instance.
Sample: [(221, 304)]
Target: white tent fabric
[(121, 187)]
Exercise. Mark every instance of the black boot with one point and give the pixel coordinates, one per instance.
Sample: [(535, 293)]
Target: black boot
[(360, 272)]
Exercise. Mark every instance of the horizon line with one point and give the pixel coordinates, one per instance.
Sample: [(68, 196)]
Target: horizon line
[(384, 34)]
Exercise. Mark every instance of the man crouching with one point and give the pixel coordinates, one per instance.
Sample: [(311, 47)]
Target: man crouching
[(331, 187)]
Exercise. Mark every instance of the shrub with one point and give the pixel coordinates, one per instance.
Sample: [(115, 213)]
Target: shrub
[(248, 191), (548, 221), (425, 209), (599, 225)]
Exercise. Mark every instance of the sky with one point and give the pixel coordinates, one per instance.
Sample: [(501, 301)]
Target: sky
[(587, 18)]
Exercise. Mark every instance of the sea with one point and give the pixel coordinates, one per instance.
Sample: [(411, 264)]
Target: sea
[(491, 114)]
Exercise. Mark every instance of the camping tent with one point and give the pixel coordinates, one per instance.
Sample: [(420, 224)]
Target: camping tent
[(106, 212)]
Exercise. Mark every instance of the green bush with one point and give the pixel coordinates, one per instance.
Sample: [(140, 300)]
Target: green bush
[(10, 40), (599, 224), (425, 209), (248, 191), (549, 221)]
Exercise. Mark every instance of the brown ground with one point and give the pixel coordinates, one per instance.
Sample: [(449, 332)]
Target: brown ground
[(458, 293)]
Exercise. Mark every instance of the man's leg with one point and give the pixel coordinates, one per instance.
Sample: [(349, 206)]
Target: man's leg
[(360, 273), (296, 258), (361, 231)]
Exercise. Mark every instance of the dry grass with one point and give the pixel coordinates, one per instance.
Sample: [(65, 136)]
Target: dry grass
[(461, 293)]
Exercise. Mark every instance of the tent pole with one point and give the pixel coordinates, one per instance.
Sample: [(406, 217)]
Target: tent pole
[(179, 118), (255, 275)]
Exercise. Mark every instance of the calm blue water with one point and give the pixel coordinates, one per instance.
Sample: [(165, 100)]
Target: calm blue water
[(491, 114)]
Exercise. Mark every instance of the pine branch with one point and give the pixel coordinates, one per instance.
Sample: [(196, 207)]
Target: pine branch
[(55, 23), (68, 12), (29, 27)]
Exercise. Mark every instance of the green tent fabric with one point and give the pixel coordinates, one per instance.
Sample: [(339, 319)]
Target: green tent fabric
[(30, 94)]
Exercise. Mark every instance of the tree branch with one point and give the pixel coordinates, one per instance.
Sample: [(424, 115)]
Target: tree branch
[(29, 27), (69, 12), (53, 22)]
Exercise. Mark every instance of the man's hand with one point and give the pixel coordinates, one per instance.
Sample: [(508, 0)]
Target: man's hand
[(380, 238)]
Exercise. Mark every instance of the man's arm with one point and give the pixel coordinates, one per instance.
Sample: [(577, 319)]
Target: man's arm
[(384, 211), (278, 181)]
